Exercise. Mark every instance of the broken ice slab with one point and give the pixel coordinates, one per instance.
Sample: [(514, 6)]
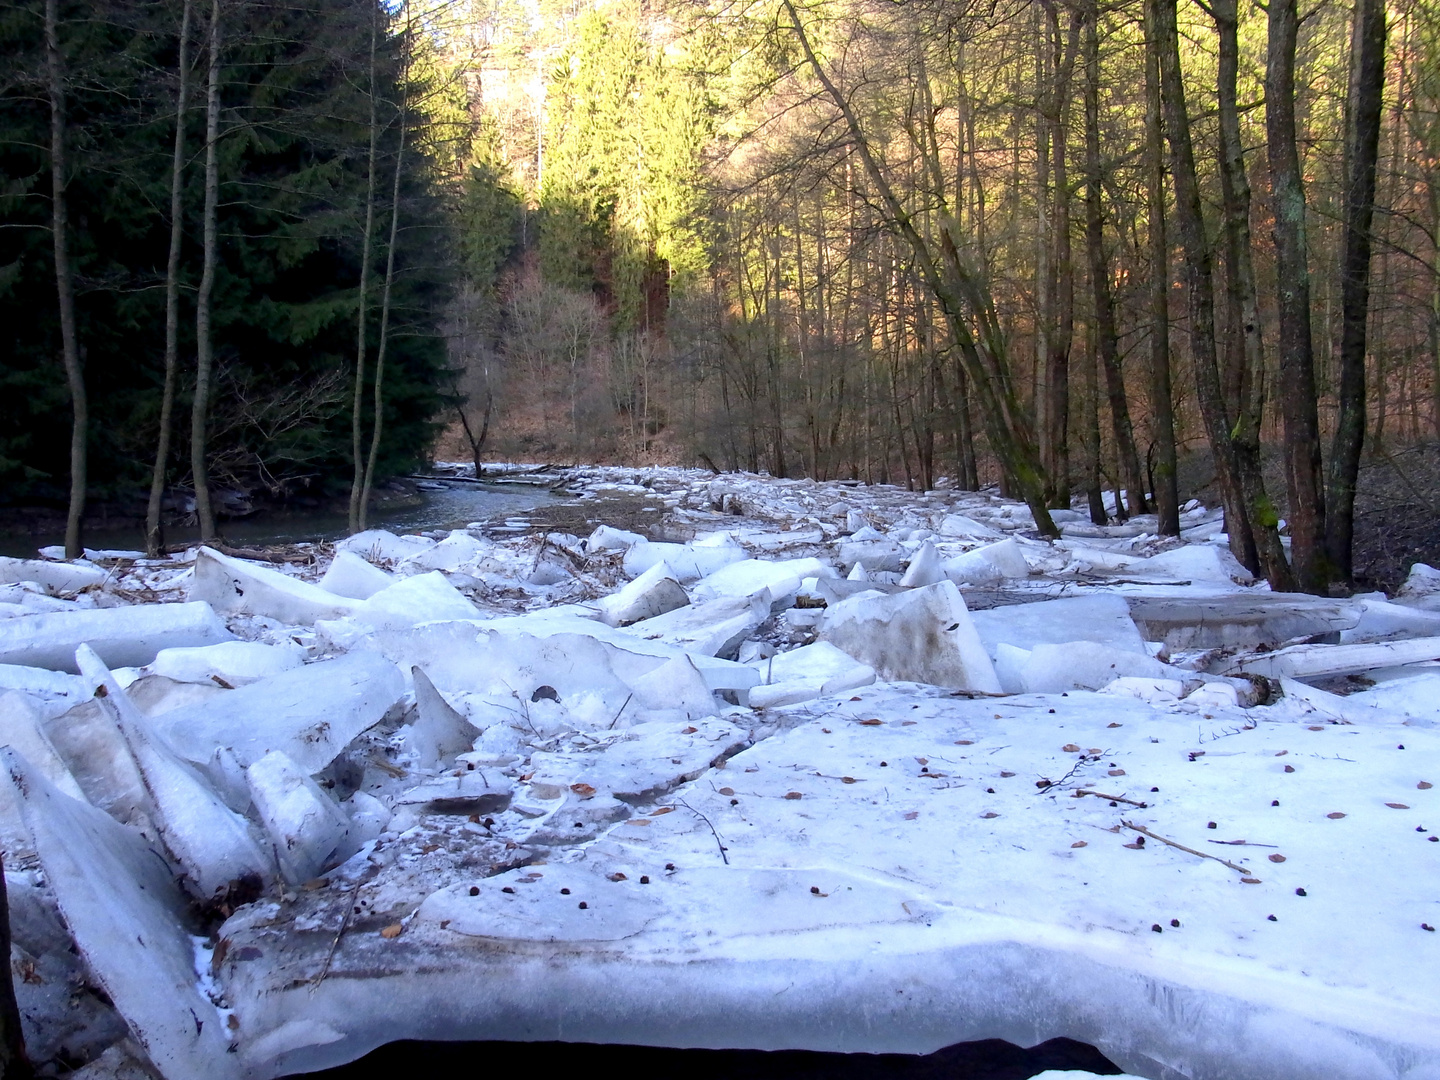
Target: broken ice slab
[(808, 672), (987, 565), (1243, 620), (1103, 618), (677, 684), (378, 545), (456, 550), (438, 731), (230, 662), (1318, 661), (156, 694), (122, 636), (877, 554), (924, 568), (1194, 564), (1152, 690), (422, 598), (60, 577), (654, 592), (967, 528), (749, 577), (712, 628), (1421, 588), (305, 824), (125, 914), (1381, 621), (1088, 665), (464, 791), (238, 587), (606, 538), (311, 713), (921, 635), (647, 760), (350, 575), (52, 692), (688, 562), (22, 727), (209, 840)]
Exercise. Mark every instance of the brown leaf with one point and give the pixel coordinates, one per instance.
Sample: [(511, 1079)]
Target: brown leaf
[(1277, 857), (1289, 768), (689, 731), (871, 723), (1081, 843), (583, 790), (1281, 753), (1070, 748), (989, 814), (618, 876), (1114, 725), (727, 791), (394, 930), (847, 779), (1095, 751), (923, 760), (1397, 806), (1115, 772), (1136, 847), (793, 795), (638, 821), (1250, 881), (663, 810), (964, 742), (1335, 815), (911, 815), (1316, 727), (1006, 775), (1424, 785)]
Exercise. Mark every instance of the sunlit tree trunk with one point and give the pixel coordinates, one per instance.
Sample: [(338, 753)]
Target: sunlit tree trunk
[(1363, 139), (1190, 224), (154, 539), (64, 281), (1106, 334), (1298, 406), (1246, 384), (1162, 409)]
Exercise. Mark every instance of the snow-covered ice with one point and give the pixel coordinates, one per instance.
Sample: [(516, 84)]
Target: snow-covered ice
[(966, 784)]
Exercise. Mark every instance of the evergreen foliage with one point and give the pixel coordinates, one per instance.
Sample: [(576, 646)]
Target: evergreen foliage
[(292, 184)]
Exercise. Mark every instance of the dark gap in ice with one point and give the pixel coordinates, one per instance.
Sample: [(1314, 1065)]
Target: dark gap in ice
[(988, 1059)]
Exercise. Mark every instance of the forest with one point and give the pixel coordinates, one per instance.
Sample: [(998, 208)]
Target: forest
[(250, 245)]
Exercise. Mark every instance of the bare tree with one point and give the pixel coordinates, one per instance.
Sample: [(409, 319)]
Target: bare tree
[(357, 484), (64, 281), (1367, 92), (153, 537), (204, 346)]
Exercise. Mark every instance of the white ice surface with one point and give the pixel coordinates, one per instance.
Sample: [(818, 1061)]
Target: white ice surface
[(122, 636), (236, 662), (237, 587)]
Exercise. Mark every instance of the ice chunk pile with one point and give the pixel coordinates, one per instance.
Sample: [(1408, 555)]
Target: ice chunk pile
[(813, 765)]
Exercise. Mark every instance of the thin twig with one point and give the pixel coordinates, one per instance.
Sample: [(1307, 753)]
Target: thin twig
[(1112, 798), (622, 709), (713, 833), (335, 944), (1188, 850)]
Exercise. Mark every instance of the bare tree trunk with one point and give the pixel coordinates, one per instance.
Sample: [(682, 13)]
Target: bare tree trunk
[(204, 348), (1106, 335), (154, 538), (1297, 362), (1090, 435), (1057, 361), (1190, 223), (1248, 379), (1162, 408), (1367, 93), (357, 483), (385, 297), (65, 284)]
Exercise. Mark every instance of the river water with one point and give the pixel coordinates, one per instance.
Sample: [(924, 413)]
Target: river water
[(453, 507)]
